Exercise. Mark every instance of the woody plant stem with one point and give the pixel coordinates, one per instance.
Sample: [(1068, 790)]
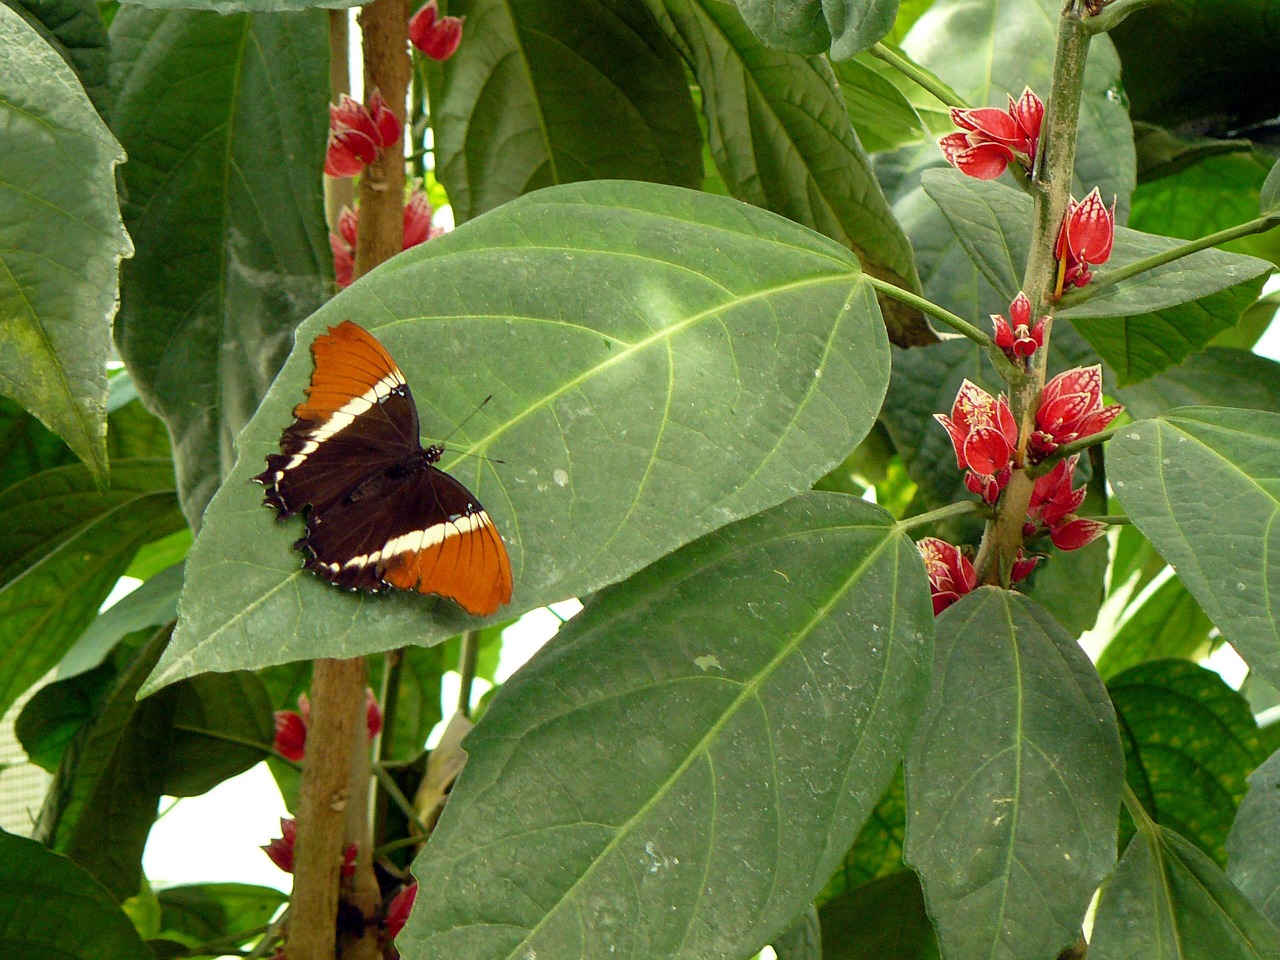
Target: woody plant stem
[(334, 799), (1051, 189)]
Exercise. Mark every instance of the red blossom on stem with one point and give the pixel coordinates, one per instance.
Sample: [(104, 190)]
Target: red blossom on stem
[(436, 36), (984, 436), (1018, 339), (951, 574), (992, 137), (398, 910), (1071, 408), (417, 229), (280, 850), (291, 725), (1084, 239), (357, 134), (1053, 507)]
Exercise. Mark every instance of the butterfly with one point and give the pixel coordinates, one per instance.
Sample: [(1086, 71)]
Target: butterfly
[(379, 513)]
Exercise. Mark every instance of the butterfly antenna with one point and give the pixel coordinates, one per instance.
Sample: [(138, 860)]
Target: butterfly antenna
[(466, 453)]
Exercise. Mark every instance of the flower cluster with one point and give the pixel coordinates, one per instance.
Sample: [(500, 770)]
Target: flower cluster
[(291, 726), (1070, 408), (417, 229), (357, 134), (436, 36), (280, 850), (1053, 508), (1084, 239), (1018, 339), (984, 435), (951, 573), (993, 137)]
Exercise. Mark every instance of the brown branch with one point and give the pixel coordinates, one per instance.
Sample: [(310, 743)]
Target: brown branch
[(339, 192), (337, 702)]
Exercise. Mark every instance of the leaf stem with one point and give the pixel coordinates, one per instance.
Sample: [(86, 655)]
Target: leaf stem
[(1120, 274), (1116, 11), (1002, 363), (392, 790), (238, 741), (957, 509), (921, 78)]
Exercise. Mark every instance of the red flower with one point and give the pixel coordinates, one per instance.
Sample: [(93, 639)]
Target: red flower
[(1022, 566), (1019, 339), (951, 575), (1084, 239), (280, 850), (1053, 506), (357, 134), (982, 430), (995, 137), (436, 36), (988, 488), (398, 910), (1071, 408), (291, 725), (417, 228)]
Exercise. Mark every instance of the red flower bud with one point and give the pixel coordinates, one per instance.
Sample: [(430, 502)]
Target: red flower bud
[(398, 910), (1022, 566), (291, 735), (982, 430), (436, 36), (1084, 239), (1018, 339), (280, 850), (1077, 533), (951, 574)]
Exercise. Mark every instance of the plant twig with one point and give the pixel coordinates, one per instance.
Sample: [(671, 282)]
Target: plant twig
[(1067, 449), (467, 654), (957, 509), (339, 192), (1116, 11), (392, 790), (921, 78)]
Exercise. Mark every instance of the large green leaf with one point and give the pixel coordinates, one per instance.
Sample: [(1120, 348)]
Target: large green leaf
[(1169, 901), (880, 112), (678, 772), (988, 52), (245, 6), (52, 908), (222, 726), (1013, 782), (226, 914), (63, 545), (877, 851), (1168, 624), (1131, 323), (844, 27), (232, 247), (1203, 484), (61, 242), (526, 101), (1218, 377), (1254, 839), (661, 363), (781, 139), (102, 802), (75, 29), (199, 913), (884, 919), (1190, 741), (802, 940)]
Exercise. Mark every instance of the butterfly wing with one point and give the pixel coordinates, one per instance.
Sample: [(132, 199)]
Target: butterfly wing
[(424, 532), (359, 418)]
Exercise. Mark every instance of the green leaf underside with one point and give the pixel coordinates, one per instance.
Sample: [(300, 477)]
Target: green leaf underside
[(31, 879), (880, 113), (781, 139), (1168, 624), (60, 244), (815, 26), (197, 913), (1203, 485), (1168, 901), (1190, 741), (1139, 326), (1013, 782), (67, 545), (1218, 377), (232, 246), (521, 105), (74, 28), (1251, 845), (680, 770), (700, 360)]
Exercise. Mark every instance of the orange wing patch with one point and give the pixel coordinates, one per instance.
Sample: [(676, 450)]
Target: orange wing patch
[(349, 363), (463, 559)]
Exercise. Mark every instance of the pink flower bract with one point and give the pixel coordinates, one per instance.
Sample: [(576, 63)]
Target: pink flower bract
[(436, 36), (993, 137)]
